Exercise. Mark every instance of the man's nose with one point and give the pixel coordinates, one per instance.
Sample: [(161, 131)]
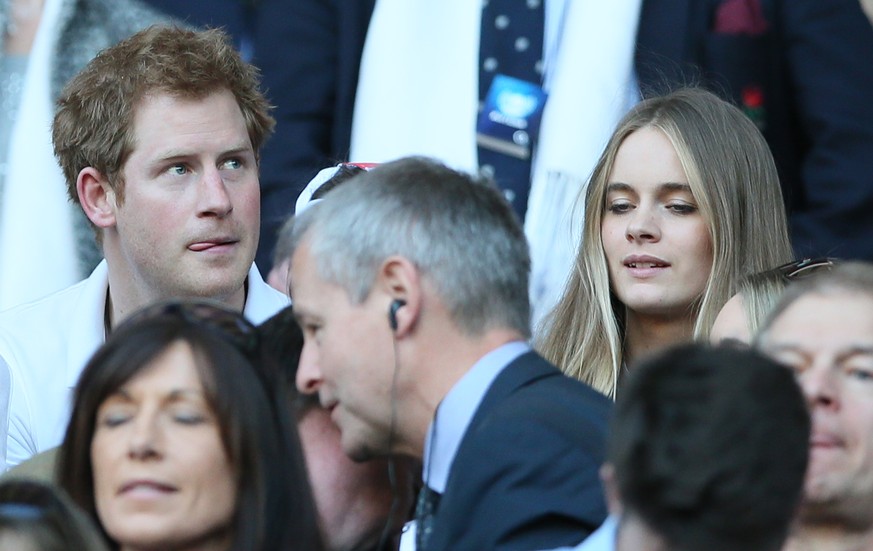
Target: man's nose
[(309, 378), (819, 386), (214, 196)]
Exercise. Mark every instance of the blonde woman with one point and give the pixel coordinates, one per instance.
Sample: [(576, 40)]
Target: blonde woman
[(684, 201)]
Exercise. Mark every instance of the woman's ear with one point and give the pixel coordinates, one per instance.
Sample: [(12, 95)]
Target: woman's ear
[(96, 197)]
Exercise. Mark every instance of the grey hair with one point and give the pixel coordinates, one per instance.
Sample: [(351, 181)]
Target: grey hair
[(457, 229), (853, 277)]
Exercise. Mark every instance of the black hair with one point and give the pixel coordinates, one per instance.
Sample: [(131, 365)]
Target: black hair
[(274, 505), (709, 447)]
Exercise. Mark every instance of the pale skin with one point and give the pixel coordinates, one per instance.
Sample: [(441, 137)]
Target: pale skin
[(656, 243), (731, 323), (162, 478), (828, 340), (349, 360), (353, 499), (647, 336), (278, 276), (189, 219)]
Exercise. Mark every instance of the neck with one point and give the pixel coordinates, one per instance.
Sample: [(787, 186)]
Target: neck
[(650, 334), (131, 289), (122, 301), (828, 536), (213, 541), (438, 369)]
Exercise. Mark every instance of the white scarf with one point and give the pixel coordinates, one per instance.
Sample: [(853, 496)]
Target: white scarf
[(418, 94), (37, 249)]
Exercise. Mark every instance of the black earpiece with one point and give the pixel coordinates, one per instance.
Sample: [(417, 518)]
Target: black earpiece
[(392, 312)]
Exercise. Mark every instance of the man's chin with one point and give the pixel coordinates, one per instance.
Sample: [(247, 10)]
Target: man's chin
[(360, 452), (218, 281), (230, 291)]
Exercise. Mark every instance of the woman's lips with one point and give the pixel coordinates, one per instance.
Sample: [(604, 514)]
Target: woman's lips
[(644, 266), (824, 441), (146, 489)]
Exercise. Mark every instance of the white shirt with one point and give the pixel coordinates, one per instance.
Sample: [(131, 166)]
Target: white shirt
[(44, 345)]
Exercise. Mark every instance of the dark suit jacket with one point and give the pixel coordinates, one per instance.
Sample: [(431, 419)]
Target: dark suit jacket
[(309, 52), (526, 472), (807, 79)]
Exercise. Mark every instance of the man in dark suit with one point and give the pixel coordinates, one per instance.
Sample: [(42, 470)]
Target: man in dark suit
[(410, 284)]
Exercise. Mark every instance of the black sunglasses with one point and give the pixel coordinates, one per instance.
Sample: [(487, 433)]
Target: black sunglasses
[(212, 315)]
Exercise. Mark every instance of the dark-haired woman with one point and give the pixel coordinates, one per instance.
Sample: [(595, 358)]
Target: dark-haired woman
[(177, 442)]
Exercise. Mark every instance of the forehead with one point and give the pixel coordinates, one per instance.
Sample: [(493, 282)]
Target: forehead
[(173, 368), (309, 290), (821, 321), (165, 115), (647, 155)]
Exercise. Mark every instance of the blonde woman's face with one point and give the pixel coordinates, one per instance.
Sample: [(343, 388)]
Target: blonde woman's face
[(657, 243)]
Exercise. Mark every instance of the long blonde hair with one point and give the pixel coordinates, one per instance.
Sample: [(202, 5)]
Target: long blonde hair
[(733, 179)]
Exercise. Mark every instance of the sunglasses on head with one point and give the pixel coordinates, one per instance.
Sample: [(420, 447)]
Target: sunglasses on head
[(799, 269), (213, 316)]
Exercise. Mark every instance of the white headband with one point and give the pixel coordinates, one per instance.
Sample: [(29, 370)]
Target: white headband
[(305, 200)]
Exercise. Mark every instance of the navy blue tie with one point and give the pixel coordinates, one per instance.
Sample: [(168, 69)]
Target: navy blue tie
[(425, 508), (511, 43)]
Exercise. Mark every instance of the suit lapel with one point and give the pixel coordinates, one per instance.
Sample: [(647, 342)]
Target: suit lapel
[(524, 370)]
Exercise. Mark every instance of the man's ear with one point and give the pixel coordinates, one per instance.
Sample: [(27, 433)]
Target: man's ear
[(610, 489), (399, 279), (96, 197)]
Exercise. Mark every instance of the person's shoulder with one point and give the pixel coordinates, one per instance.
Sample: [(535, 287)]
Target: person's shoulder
[(39, 325), (532, 398), (548, 386), (39, 467), (41, 312), (532, 404)]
